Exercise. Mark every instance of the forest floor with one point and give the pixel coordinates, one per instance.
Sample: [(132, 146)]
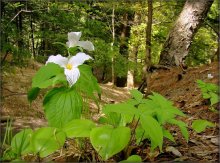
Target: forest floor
[(182, 91)]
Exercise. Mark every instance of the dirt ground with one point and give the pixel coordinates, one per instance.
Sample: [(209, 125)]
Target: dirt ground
[(181, 89)]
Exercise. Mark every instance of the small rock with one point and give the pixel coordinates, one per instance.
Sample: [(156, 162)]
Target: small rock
[(174, 151)]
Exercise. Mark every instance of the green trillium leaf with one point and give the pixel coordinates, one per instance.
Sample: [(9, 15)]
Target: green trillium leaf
[(21, 141), (33, 93), (48, 75), (61, 105), (47, 140), (108, 141), (87, 83), (133, 158), (78, 128)]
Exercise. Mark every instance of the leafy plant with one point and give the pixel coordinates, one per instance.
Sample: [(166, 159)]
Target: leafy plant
[(151, 114), (209, 91), (200, 125), (108, 140)]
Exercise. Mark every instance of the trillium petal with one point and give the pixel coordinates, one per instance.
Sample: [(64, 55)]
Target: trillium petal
[(72, 75), (86, 45), (58, 59), (79, 59), (73, 38)]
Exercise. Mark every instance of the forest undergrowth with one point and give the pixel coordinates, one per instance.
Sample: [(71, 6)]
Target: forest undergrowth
[(180, 88)]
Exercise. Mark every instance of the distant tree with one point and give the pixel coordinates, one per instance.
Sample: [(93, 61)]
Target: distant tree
[(177, 44)]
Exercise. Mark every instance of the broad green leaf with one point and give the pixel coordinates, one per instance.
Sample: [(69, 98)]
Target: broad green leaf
[(33, 93), (182, 126), (112, 118), (206, 95), (21, 141), (48, 75), (9, 154), (136, 95), (153, 129), (78, 128), (168, 135), (125, 113), (87, 83), (47, 140), (214, 98), (200, 125), (61, 105), (121, 108), (133, 158), (108, 141)]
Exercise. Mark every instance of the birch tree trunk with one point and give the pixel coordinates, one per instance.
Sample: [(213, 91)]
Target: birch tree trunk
[(178, 42)]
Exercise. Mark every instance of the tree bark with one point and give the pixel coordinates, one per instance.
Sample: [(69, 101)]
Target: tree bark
[(148, 33), (145, 73), (178, 42), (32, 36), (123, 49), (132, 55), (113, 41)]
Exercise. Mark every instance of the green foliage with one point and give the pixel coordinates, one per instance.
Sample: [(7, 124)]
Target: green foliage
[(153, 129), (200, 125), (133, 158), (47, 140), (108, 141), (203, 47), (87, 83), (61, 105), (152, 113), (78, 128), (48, 75), (33, 93), (209, 91), (21, 141)]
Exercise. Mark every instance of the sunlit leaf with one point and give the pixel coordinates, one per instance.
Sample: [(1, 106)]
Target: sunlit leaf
[(168, 135), (133, 158), (61, 105), (136, 95), (200, 125), (21, 141), (182, 126), (153, 129), (48, 75), (108, 141), (47, 140), (78, 128)]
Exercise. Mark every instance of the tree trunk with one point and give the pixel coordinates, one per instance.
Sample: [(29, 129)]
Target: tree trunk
[(113, 41), (148, 34), (145, 73), (32, 37), (123, 50), (177, 45), (132, 56)]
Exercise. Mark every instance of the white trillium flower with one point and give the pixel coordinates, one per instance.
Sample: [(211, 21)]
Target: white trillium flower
[(73, 40), (70, 65)]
